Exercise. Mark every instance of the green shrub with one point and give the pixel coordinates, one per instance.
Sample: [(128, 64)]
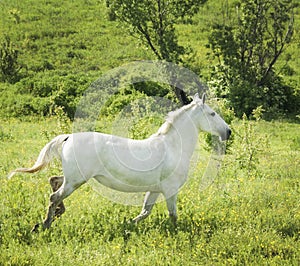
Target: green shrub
[(248, 48), (9, 65), (117, 102)]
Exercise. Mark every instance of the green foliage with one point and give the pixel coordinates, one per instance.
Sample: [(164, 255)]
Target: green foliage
[(9, 65), (41, 94), (145, 120), (153, 21), (151, 88), (14, 104), (248, 49), (5, 136), (119, 101), (130, 113)]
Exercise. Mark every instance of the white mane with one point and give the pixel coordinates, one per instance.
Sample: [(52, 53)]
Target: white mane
[(171, 118)]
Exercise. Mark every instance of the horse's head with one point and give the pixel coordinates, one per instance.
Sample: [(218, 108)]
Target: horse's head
[(208, 120)]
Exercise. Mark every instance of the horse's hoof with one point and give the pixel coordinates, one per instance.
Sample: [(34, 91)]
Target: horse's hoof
[(35, 228)]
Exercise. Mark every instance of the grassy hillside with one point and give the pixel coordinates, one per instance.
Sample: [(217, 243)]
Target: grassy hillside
[(64, 46), (73, 36)]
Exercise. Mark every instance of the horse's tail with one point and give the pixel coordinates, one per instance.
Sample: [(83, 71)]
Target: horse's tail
[(50, 151)]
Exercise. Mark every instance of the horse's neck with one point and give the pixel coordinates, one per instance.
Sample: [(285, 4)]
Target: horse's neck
[(184, 133)]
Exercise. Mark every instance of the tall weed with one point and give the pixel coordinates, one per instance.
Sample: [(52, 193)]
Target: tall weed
[(249, 144)]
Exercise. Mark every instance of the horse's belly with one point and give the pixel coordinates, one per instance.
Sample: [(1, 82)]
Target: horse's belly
[(127, 185)]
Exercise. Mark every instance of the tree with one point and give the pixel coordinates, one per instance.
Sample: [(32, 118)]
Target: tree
[(248, 51), (153, 22)]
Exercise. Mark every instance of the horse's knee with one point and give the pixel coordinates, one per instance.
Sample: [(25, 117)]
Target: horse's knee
[(56, 182)]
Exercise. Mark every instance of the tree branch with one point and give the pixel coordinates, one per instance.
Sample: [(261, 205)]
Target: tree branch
[(149, 41), (286, 40)]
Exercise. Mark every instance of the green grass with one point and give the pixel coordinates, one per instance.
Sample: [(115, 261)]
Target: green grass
[(73, 36), (246, 217)]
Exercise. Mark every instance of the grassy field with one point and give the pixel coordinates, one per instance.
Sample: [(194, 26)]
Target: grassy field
[(250, 215)]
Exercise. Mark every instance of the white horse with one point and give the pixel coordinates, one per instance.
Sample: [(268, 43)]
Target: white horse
[(158, 164)]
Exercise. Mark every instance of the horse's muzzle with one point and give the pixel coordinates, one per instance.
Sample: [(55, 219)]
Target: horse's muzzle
[(226, 135)]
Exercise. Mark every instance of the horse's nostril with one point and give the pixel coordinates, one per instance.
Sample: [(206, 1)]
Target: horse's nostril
[(229, 132)]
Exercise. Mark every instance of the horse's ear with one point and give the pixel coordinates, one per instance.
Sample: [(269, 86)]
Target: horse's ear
[(203, 97), (196, 97)]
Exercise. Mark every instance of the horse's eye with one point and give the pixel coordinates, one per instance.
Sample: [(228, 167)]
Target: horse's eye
[(213, 114)]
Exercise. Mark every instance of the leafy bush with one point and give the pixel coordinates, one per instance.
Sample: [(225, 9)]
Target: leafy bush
[(9, 65), (42, 93), (276, 97), (117, 102), (145, 119)]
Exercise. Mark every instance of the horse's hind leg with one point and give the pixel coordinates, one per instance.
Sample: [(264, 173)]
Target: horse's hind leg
[(58, 196), (56, 182), (149, 202)]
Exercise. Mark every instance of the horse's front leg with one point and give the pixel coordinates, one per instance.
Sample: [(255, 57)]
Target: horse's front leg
[(171, 205), (149, 201)]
